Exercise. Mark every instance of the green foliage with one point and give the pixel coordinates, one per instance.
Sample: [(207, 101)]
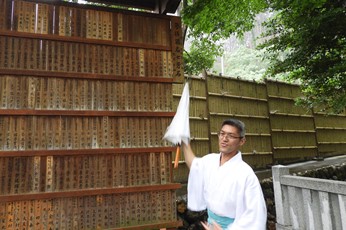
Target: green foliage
[(201, 56), (245, 63), (312, 35), (210, 21), (220, 18)]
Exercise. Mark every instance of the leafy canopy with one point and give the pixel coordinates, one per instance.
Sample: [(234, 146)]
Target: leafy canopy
[(306, 40), (312, 34), (210, 21)]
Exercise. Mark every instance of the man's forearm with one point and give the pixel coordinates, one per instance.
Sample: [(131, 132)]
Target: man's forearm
[(188, 154)]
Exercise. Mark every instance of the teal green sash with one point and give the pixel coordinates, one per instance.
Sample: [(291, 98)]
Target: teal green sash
[(223, 221)]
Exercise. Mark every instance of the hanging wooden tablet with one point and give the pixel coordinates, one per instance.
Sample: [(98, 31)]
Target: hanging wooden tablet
[(81, 58), (110, 22), (75, 129), (145, 168), (85, 176), (65, 173), (71, 26), (62, 57), (3, 52), (13, 140), (93, 162), (163, 96), (97, 167), (86, 213), (88, 24), (120, 27), (163, 168), (22, 208), (170, 64), (164, 209), (5, 177), (123, 170), (44, 55), (68, 132), (39, 19), (108, 171), (121, 96), (95, 24), (19, 16), (2, 134), (78, 172), (93, 207), (84, 55), (45, 17), (37, 213), (3, 12), (21, 132), (7, 134), (43, 213), (57, 132), (156, 123), (49, 174), (62, 20), (67, 213), (15, 176), (75, 173), (117, 60), (99, 132), (55, 213), (18, 55), (21, 175), (3, 169), (79, 214), (31, 9), (87, 132), (32, 82), (50, 214), (79, 23), (141, 62), (36, 174), (8, 53), (154, 207), (132, 55), (3, 92), (125, 100), (30, 213), (112, 60)]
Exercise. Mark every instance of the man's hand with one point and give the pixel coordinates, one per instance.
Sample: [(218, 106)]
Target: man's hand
[(213, 226)]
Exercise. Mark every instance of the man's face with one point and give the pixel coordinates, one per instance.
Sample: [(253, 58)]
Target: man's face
[(230, 140)]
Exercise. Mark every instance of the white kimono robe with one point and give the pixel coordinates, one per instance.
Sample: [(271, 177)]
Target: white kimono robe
[(231, 190)]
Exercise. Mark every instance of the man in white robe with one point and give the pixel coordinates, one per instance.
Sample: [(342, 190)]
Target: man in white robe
[(225, 185)]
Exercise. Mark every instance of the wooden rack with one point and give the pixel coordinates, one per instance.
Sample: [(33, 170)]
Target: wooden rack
[(85, 99)]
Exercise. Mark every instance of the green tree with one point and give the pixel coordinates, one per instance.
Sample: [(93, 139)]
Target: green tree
[(245, 63), (312, 35), (306, 40), (209, 21)]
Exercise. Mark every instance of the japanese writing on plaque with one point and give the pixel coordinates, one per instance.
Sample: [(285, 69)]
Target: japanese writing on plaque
[(177, 50)]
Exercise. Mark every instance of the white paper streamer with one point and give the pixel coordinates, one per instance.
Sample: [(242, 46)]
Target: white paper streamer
[(179, 129)]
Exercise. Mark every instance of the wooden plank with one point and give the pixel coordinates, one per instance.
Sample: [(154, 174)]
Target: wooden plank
[(88, 192)]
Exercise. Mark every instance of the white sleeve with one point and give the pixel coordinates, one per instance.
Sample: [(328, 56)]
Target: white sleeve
[(252, 211), (195, 186)]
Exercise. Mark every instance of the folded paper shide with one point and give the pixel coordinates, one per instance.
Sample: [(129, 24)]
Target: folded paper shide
[(179, 129)]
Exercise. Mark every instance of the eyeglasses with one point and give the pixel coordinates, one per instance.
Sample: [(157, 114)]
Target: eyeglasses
[(227, 135)]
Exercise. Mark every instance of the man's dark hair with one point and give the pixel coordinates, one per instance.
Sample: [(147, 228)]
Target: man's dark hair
[(235, 123)]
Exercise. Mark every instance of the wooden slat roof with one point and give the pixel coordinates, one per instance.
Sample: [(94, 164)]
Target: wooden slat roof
[(157, 6)]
